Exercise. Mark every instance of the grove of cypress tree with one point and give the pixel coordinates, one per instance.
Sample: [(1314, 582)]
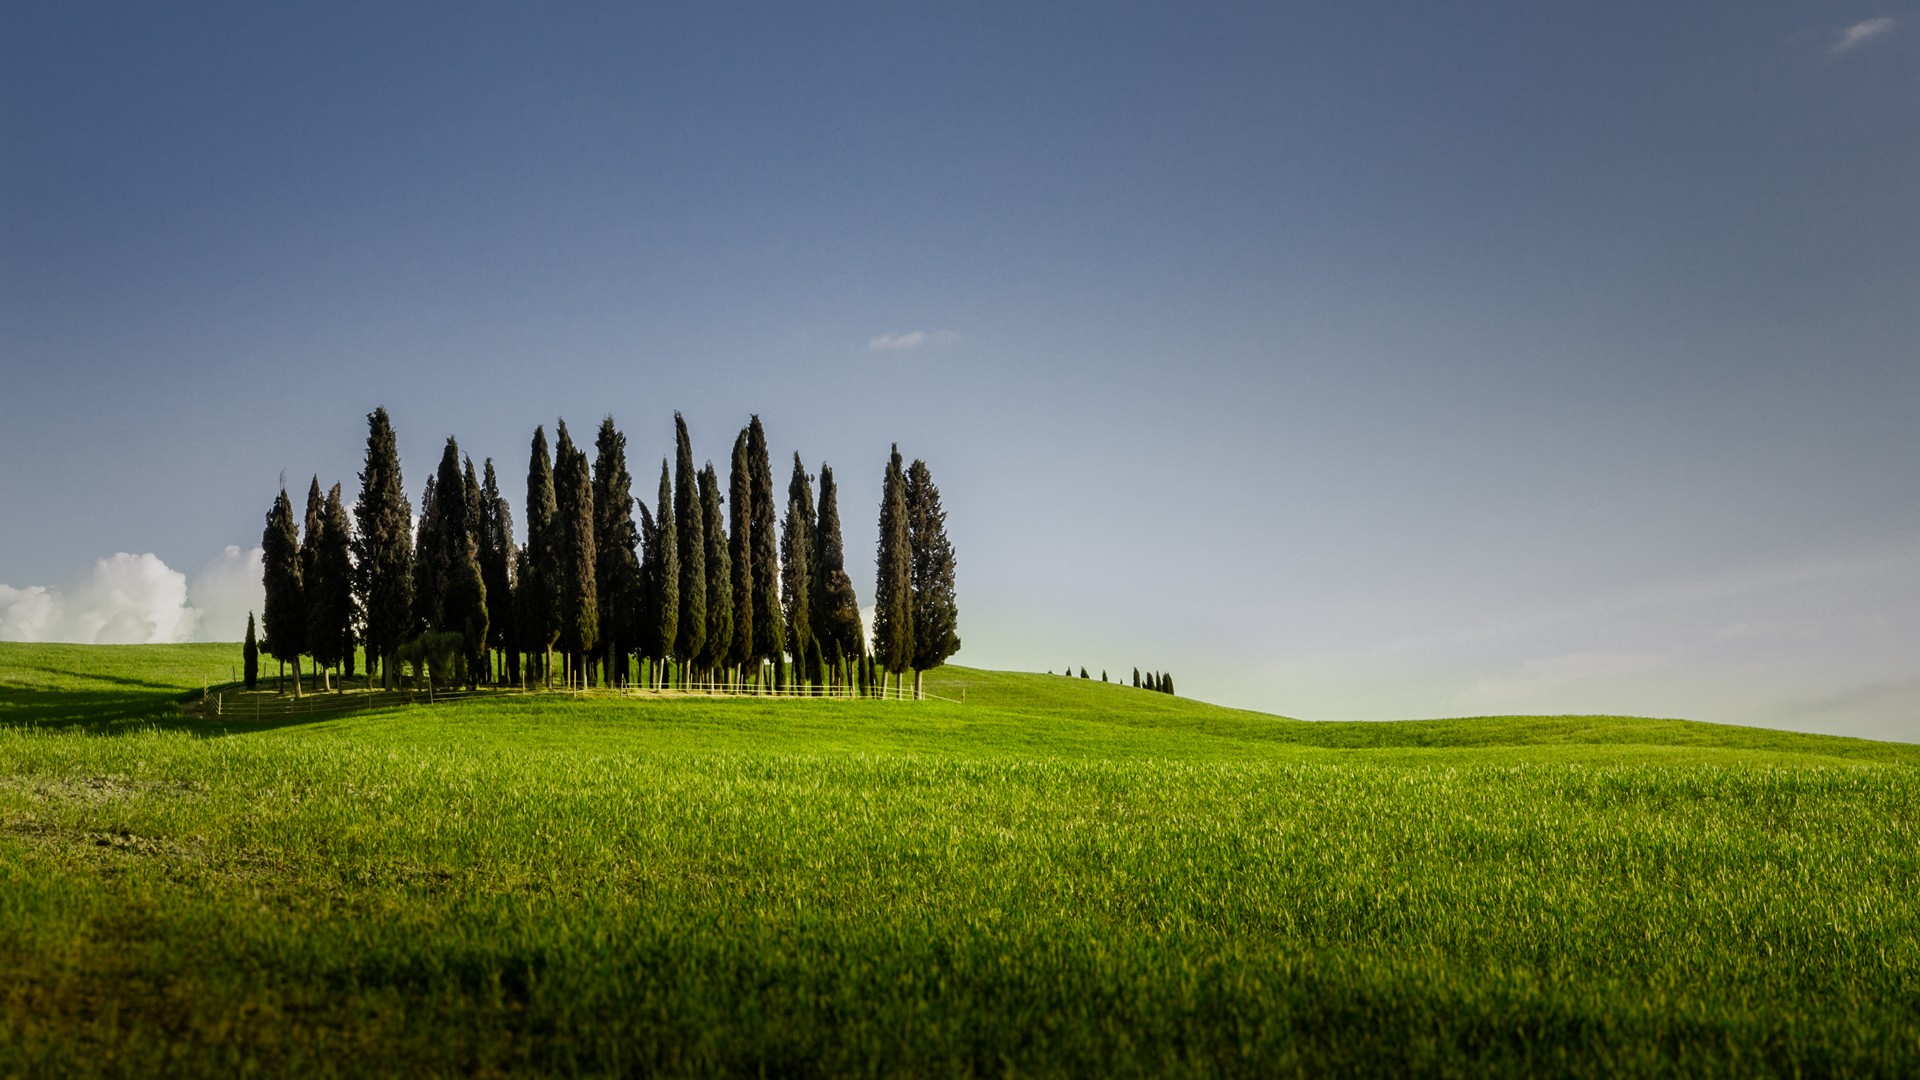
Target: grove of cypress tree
[(718, 651), (250, 656), (579, 600), (796, 575), (616, 542), (385, 548), (537, 607), (936, 616), (769, 629), (690, 536), (330, 588), (666, 577), (286, 611), (740, 547), (498, 559), (893, 589)]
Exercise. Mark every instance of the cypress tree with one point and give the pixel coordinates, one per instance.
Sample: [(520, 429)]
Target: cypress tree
[(310, 528), (250, 656), (666, 578), (893, 589), (1136, 678), (690, 534), (429, 574), (838, 612), (579, 601), (330, 588), (466, 603), (538, 602), (498, 559), (1083, 672), (740, 546), (718, 651), (286, 611), (796, 575), (385, 547), (936, 617), (617, 561), (769, 629), (1166, 683)]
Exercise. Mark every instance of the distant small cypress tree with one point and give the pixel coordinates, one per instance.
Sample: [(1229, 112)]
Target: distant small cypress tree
[(1166, 683), (1136, 678), (286, 611), (250, 656), (1103, 674), (1083, 672)]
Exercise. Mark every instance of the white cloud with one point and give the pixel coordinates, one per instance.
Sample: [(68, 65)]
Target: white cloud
[(913, 339), (137, 600), (224, 591), (1860, 32)]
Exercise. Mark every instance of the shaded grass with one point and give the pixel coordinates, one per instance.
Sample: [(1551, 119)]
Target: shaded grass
[(1055, 878)]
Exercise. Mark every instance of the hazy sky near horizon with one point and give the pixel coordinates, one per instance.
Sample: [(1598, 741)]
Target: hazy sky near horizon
[(1346, 359)]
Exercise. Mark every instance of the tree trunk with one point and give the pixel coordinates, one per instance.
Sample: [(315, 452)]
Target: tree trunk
[(296, 677)]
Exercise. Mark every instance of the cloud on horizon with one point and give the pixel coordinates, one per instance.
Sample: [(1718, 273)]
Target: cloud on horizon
[(913, 339), (1861, 32), (132, 599)]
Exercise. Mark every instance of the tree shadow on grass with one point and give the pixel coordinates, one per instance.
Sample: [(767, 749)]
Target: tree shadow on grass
[(121, 712)]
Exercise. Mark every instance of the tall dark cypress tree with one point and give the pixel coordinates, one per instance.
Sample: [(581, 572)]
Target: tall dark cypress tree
[(286, 612), (837, 608), (579, 600), (385, 547), (616, 542), (893, 588), (796, 575), (740, 546), (429, 571), (718, 651), (537, 606), (769, 629), (665, 578), (250, 656), (498, 559), (936, 616), (330, 587), (466, 603), (310, 528), (690, 534)]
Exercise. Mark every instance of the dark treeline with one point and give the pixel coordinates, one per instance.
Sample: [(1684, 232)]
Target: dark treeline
[(1152, 680), (745, 599)]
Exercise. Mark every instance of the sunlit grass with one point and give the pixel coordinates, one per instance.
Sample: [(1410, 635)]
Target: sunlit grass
[(1059, 876)]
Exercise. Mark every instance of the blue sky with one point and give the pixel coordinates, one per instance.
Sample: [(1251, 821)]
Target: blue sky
[(1348, 360)]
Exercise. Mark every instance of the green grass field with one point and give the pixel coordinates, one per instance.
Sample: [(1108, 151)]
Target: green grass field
[(1059, 877)]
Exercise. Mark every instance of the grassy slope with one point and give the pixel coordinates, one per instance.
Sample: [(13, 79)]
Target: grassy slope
[(1058, 876)]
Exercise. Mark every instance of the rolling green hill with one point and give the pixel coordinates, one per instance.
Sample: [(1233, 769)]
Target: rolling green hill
[(1057, 877)]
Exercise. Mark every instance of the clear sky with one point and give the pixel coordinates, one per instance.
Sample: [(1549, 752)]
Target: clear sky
[(1346, 359)]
